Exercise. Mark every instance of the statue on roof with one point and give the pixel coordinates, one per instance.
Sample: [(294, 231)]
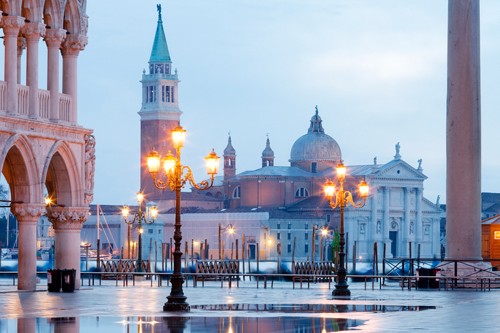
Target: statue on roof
[(397, 156), (158, 8)]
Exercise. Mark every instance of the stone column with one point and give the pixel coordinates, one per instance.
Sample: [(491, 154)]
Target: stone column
[(436, 239), (372, 226), (406, 224), (27, 216), (67, 223), (385, 223), (11, 26), (53, 39), (418, 215), (71, 47), (32, 33), (21, 45), (463, 133)]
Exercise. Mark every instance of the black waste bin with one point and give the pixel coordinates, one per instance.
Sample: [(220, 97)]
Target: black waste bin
[(68, 280), (427, 282), (54, 280)]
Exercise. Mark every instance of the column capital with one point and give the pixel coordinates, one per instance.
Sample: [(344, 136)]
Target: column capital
[(33, 31), (54, 37), (67, 218), (73, 44), (28, 211), (12, 24)]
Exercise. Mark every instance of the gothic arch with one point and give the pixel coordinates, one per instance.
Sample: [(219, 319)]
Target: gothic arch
[(72, 18), (52, 14), (61, 175), (30, 10), (20, 170), (4, 6), (11, 7)]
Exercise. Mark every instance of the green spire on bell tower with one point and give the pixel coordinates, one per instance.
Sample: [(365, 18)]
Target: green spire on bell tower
[(159, 53)]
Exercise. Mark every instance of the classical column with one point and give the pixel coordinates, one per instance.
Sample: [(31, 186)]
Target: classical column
[(418, 215), (71, 47), (27, 216), (67, 223), (436, 238), (53, 39), (32, 32), (406, 227), (385, 223), (21, 45), (11, 26), (372, 226), (463, 133)]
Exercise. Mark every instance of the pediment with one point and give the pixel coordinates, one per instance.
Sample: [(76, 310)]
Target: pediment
[(429, 206), (399, 169)]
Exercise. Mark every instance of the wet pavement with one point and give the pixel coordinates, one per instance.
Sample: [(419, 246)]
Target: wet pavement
[(110, 308)]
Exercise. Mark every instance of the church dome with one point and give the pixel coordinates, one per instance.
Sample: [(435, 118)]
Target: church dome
[(315, 146)]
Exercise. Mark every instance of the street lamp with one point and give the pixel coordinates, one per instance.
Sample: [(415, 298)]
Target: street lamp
[(140, 217), (342, 198), (230, 230), (173, 177)]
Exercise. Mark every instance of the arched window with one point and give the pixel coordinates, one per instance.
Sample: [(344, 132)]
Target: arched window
[(301, 193), (237, 192)]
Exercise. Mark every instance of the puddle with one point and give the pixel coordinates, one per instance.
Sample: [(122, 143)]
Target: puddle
[(178, 324), (236, 318), (311, 308)]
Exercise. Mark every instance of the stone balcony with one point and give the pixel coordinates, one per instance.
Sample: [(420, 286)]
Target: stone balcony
[(65, 101)]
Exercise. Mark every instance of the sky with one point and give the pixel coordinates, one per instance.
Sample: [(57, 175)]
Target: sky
[(257, 68)]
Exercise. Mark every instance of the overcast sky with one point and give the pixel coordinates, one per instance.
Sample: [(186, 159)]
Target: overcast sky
[(376, 70)]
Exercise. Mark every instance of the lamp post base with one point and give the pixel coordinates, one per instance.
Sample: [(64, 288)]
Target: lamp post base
[(176, 305), (341, 291)]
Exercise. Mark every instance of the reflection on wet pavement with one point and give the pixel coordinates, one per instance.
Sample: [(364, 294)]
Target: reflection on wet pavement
[(311, 308), (232, 323), (178, 324)]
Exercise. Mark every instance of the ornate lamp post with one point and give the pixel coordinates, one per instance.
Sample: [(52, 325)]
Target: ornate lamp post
[(173, 177), (342, 198), (140, 217)]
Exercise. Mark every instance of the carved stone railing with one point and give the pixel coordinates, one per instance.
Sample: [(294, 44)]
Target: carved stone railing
[(65, 103)]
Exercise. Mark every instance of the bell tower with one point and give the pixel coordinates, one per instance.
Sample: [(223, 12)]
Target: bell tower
[(160, 111)]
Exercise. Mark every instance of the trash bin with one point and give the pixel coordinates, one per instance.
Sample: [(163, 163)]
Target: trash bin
[(427, 282), (68, 280), (54, 280)]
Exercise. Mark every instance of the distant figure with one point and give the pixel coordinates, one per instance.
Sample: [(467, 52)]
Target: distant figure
[(420, 165), (158, 8), (397, 156), (437, 201), (375, 160)]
